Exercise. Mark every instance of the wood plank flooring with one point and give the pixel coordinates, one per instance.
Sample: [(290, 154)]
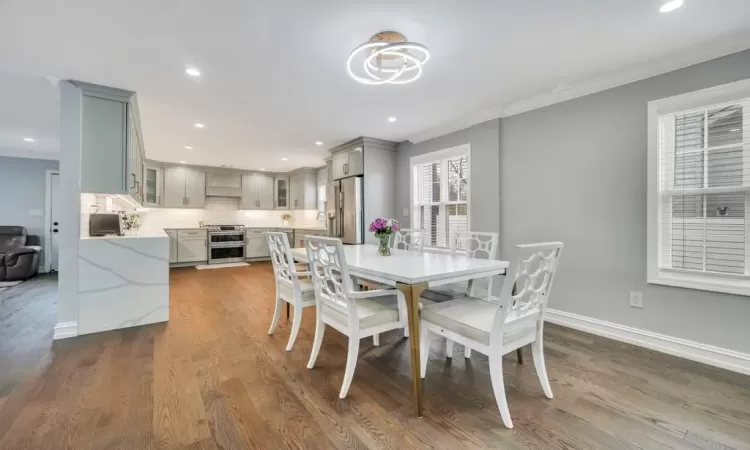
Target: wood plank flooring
[(212, 378)]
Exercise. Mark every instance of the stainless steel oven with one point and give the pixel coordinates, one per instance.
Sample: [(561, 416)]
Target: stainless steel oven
[(226, 243)]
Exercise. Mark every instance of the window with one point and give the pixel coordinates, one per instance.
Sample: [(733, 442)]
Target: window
[(699, 211), (440, 194)]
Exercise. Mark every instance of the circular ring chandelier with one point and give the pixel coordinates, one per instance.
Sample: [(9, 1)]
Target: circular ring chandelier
[(387, 58)]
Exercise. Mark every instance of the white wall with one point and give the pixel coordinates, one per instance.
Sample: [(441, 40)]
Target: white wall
[(23, 191)]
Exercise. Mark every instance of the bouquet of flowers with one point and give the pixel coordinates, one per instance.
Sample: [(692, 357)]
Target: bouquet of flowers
[(383, 228)]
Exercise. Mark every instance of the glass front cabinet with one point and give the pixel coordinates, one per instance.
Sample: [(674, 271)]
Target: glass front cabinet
[(153, 185)]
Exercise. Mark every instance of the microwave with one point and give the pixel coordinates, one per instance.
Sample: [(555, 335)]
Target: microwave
[(105, 225)]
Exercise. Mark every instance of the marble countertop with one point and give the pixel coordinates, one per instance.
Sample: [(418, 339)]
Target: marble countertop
[(142, 233), (255, 227)]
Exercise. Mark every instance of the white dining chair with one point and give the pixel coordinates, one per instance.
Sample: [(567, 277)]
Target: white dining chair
[(408, 239), (356, 314), (292, 285), (496, 329), (472, 244)]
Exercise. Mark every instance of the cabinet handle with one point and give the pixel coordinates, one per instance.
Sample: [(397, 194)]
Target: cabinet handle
[(158, 200), (257, 203), (184, 201), (133, 186), (346, 168)]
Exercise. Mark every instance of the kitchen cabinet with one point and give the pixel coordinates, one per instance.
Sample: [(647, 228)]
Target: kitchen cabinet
[(110, 140), (257, 192), (192, 246), (256, 245), (184, 187), (299, 236), (281, 192), (348, 162), (172, 245), (303, 190), (153, 185)]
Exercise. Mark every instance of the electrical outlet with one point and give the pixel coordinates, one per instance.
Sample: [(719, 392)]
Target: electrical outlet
[(636, 299)]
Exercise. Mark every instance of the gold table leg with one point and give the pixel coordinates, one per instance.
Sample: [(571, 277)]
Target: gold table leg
[(412, 293)]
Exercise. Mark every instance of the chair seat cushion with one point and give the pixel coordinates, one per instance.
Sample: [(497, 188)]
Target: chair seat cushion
[(306, 287), (372, 312), (473, 317)]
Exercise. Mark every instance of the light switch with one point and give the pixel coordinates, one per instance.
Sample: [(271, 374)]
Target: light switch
[(405, 212)]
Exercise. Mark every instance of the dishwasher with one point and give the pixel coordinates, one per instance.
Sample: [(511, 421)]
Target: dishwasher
[(256, 245)]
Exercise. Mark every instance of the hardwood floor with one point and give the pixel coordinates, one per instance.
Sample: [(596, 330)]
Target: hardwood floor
[(212, 378)]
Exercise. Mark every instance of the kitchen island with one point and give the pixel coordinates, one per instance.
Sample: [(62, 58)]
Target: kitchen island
[(123, 280)]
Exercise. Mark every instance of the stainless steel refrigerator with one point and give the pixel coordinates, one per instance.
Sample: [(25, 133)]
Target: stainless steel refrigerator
[(344, 210)]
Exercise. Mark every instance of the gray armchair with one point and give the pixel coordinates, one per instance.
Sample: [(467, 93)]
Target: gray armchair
[(19, 259)]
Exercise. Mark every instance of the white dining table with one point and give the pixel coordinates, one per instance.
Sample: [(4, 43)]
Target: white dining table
[(412, 272)]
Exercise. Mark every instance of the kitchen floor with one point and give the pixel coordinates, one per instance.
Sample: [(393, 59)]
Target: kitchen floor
[(212, 378)]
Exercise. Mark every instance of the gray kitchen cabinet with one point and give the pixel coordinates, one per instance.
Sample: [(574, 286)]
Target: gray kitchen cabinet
[(184, 187), (256, 245), (192, 246), (111, 144), (348, 162), (299, 236), (153, 184), (172, 245), (303, 190), (338, 165), (257, 192), (296, 186), (281, 192)]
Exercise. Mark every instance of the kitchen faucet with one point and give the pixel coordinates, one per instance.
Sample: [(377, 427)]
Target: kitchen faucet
[(325, 216)]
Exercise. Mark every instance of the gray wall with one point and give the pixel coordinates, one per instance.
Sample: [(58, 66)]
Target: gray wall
[(576, 172), (22, 189)]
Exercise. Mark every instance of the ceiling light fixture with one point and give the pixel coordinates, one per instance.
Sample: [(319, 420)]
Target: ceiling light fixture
[(28, 139), (262, 170), (193, 72), (199, 125), (183, 162), (388, 59), (392, 119), (285, 159), (671, 5), (187, 147), (318, 143)]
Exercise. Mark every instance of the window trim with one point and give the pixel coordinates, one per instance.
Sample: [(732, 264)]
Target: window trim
[(439, 155), (729, 284)]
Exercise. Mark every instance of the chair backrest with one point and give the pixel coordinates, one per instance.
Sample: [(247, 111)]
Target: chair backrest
[(409, 239), (474, 244), (281, 256), (528, 282), (330, 274)]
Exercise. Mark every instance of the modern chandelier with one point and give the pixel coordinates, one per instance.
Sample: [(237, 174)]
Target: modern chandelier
[(387, 58)]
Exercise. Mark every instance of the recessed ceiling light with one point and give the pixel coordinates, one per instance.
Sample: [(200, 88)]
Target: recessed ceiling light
[(28, 139), (734, 130), (392, 119), (671, 5), (193, 72), (318, 143), (262, 170), (285, 159), (199, 125), (183, 162), (187, 147)]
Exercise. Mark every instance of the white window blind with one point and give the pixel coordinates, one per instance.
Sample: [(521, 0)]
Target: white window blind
[(704, 190), (440, 195)]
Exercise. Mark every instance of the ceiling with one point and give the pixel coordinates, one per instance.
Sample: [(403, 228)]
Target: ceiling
[(274, 76)]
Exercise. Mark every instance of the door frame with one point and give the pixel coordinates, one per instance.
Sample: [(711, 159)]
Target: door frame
[(47, 251)]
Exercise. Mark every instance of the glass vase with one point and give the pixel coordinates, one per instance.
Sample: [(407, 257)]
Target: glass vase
[(384, 248)]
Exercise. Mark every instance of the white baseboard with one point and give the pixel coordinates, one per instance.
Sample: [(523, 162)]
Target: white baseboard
[(65, 330), (694, 351)]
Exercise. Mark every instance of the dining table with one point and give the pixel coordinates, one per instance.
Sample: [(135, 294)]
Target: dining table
[(411, 272)]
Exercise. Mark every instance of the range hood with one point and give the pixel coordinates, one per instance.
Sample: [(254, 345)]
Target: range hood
[(224, 184)]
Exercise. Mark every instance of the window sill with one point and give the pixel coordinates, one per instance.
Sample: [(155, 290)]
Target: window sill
[(713, 284)]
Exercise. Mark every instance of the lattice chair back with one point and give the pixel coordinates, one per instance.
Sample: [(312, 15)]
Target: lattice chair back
[(330, 273), (528, 282), (475, 245), (409, 239), (281, 256)]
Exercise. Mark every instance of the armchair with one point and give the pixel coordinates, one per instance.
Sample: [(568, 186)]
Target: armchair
[(19, 260)]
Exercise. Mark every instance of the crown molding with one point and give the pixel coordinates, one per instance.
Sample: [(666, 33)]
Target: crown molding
[(686, 57)]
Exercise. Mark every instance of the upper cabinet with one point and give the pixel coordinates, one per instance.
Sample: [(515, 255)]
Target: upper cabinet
[(111, 142), (303, 190), (281, 192), (257, 191), (184, 187), (347, 162), (153, 185)]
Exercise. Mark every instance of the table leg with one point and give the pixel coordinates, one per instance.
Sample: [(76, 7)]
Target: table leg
[(412, 293)]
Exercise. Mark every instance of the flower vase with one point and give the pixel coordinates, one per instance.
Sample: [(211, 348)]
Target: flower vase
[(384, 248)]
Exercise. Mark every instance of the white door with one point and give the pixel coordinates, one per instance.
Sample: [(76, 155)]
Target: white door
[(54, 220)]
